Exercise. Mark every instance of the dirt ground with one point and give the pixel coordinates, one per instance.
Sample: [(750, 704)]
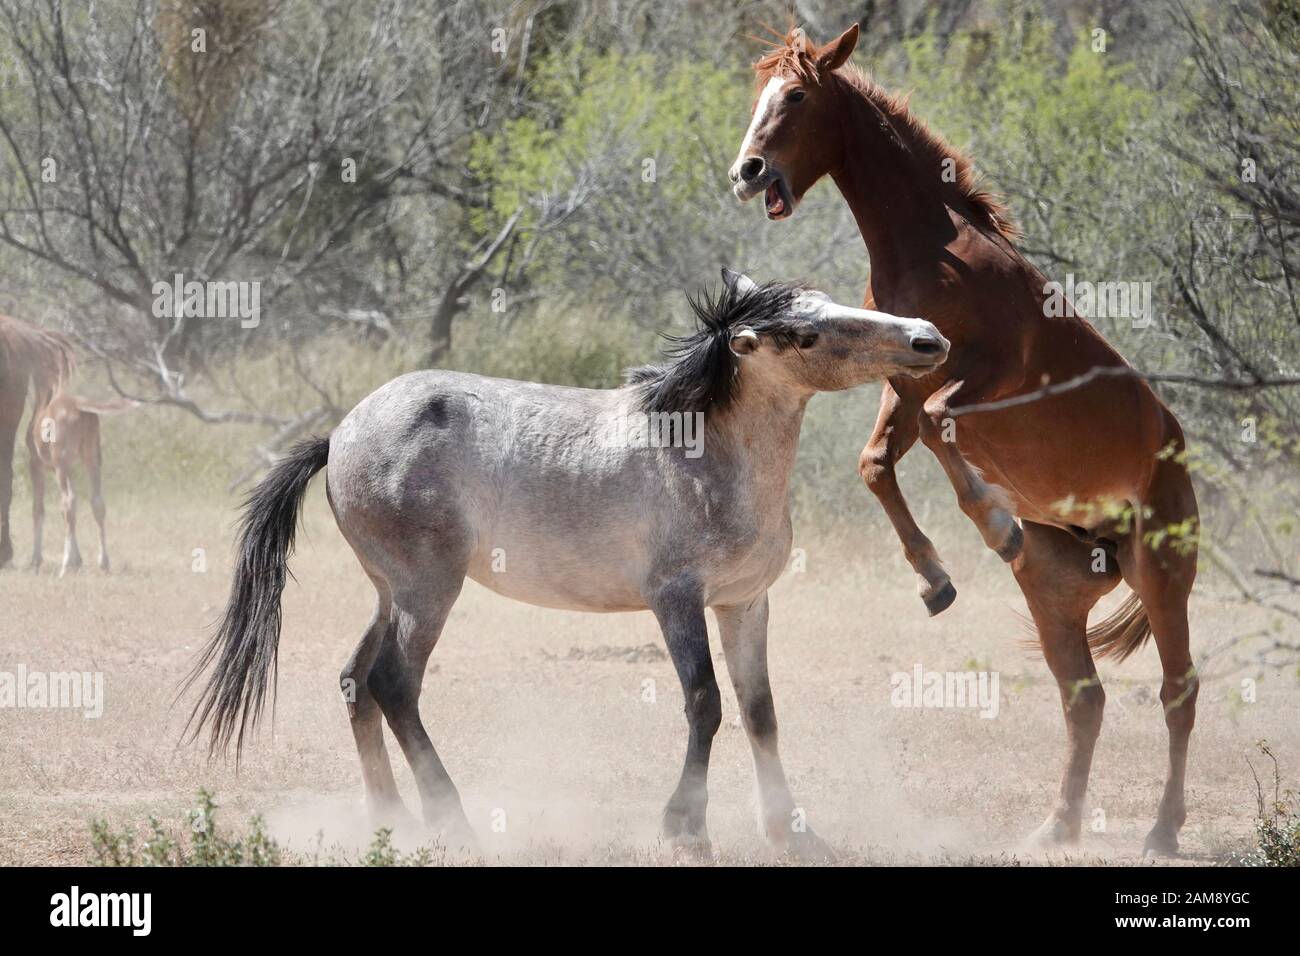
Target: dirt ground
[(543, 720)]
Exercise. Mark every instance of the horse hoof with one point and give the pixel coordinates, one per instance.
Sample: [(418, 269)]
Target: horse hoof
[(1011, 548), (694, 848), (941, 599), (808, 847), (685, 832), (1160, 843), (1053, 834), (391, 814), (457, 837)]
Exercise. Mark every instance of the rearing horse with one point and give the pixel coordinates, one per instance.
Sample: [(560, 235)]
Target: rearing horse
[(943, 249)]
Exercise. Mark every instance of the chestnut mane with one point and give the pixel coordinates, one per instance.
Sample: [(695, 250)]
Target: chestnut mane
[(796, 55)]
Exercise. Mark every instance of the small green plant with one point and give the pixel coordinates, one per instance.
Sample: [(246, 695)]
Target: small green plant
[(206, 844), (196, 840), (383, 853), (1277, 826)]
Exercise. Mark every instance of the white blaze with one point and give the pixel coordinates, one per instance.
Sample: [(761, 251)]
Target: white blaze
[(760, 113)]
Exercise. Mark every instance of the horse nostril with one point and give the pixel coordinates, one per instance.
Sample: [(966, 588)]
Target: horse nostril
[(751, 168), (926, 345)]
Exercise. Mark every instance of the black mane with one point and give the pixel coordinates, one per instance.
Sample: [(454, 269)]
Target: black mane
[(701, 372)]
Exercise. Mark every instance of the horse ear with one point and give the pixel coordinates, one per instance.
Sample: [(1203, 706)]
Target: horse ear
[(738, 282), (744, 342), (836, 53)]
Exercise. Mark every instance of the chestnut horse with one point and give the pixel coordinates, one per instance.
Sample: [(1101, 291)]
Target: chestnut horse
[(943, 249), (28, 356), (64, 432)]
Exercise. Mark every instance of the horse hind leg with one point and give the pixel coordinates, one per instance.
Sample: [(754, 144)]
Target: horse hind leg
[(1062, 578), (92, 458), (71, 553), (419, 612), (1161, 574), (382, 798), (11, 413), (1178, 692)]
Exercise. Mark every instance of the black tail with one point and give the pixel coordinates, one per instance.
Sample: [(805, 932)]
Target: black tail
[(246, 644)]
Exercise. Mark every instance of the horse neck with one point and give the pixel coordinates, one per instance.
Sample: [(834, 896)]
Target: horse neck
[(762, 425), (898, 205)]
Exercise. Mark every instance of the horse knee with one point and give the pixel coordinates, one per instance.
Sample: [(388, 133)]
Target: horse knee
[(390, 688), (1178, 697), (704, 709), (356, 692), (759, 715), (876, 468), (934, 413), (1087, 707)]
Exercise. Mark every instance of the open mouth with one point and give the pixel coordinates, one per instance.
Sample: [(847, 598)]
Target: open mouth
[(777, 201)]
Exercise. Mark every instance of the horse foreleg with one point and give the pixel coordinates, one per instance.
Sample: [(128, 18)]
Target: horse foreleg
[(679, 608), (983, 503), (896, 432), (10, 414), (743, 630)]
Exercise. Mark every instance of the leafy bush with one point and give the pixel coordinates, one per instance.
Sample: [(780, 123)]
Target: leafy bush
[(1277, 826), (200, 844)]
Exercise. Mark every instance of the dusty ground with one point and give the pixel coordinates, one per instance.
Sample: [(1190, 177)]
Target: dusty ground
[(540, 714)]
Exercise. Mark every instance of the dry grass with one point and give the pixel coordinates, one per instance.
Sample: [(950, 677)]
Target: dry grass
[(562, 741)]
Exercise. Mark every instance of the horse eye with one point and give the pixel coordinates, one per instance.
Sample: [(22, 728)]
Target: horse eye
[(794, 96), (808, 341)]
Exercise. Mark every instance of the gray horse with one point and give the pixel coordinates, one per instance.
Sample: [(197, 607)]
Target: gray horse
[(668, 494)]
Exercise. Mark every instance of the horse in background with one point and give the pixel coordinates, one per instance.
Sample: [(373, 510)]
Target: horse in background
[(28, 355), (63, 432)]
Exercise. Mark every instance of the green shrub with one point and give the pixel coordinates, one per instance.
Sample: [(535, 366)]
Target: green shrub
[(200, 843), (1277, 825)]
